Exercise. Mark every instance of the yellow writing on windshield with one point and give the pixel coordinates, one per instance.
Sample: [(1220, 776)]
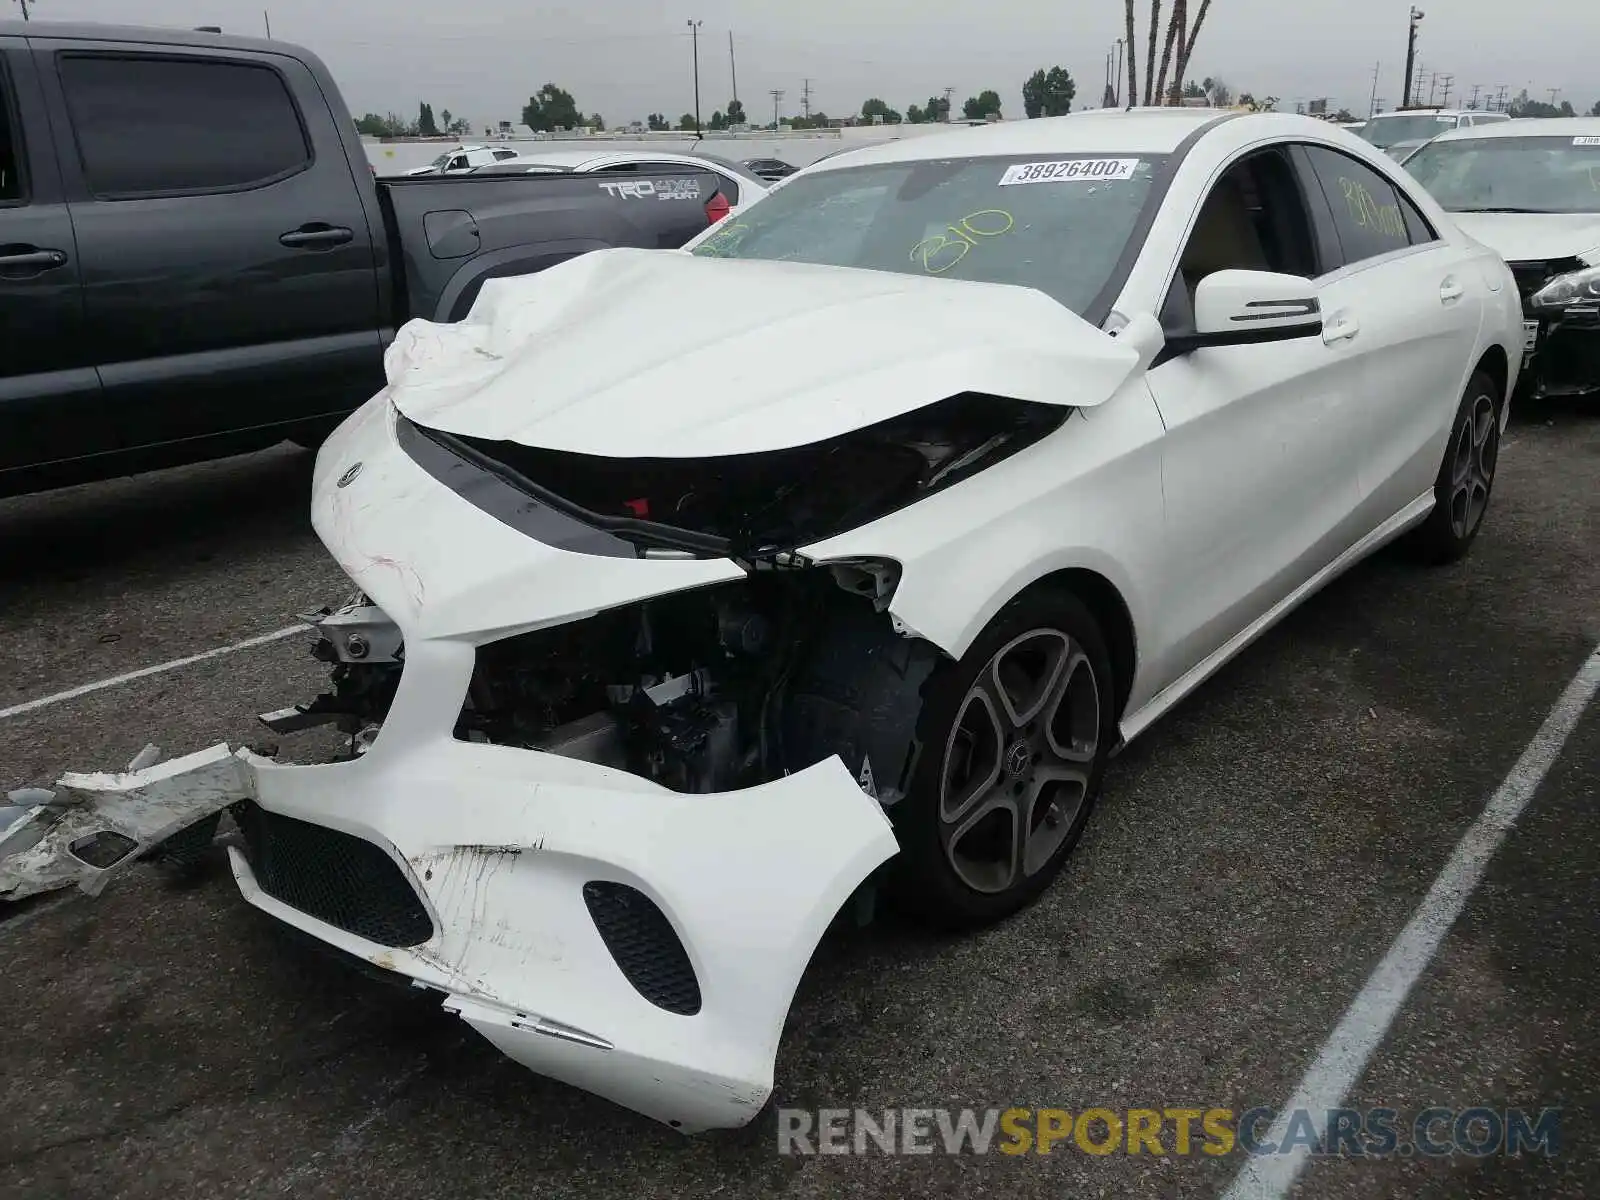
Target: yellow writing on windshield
[(1385, 219), (949, 246), (724, 241)]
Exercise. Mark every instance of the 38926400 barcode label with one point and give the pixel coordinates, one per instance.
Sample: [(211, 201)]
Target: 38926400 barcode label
[(1070, 170)]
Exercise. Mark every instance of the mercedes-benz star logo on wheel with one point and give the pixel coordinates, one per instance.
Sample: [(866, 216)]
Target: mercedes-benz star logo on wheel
[(349, 476)]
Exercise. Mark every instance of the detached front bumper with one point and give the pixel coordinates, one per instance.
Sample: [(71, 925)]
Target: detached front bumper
[(636, 942), (1561, 353)]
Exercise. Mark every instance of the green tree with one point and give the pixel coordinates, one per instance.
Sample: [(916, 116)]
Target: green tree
[(388, 126), (981, 106), (1193, 91), (686, 122), (877, 108), (915, 116), (1217, 88), (551, 108), (736, 113), (938, 109), (426, 125), (1344, 114), (1595, 111), (1048, 93), (657, 122), (718, 121)]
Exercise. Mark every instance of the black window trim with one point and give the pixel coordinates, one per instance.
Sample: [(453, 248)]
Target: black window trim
[(1349, 264), (209, 60), (11, 113)]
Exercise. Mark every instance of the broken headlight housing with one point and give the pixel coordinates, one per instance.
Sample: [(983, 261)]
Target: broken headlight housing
[(1576, 289)]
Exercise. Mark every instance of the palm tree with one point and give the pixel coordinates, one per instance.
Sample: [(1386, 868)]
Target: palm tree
[(1188, 45), (1133, 70), (1174, 31), (1150, 57)]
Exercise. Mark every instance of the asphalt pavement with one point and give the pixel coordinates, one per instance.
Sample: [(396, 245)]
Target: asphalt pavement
[(1252, 859)]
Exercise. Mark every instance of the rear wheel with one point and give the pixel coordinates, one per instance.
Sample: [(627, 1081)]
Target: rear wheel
[(1015, 738), (1466, 476)]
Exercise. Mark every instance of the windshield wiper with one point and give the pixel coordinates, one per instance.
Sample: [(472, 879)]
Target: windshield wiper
[(1539, 211)]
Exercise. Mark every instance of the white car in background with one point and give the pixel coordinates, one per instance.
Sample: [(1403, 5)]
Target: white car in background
[(463, 159), (1530, 190), (698, 588), (1400, 132), (739, 184)]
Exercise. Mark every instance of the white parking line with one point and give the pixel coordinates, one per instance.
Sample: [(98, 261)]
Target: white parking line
[(1345, 1054), (28, 706)]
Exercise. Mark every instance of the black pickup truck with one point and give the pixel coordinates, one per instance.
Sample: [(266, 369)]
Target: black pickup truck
[(196, 258)]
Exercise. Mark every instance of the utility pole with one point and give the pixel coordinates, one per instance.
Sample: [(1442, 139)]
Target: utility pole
[(1411, 51), (948, 92), (694, 37), (733, 68), (1554, 92), (1449, 82), (1475, 89), (805, 100), (1372, 105), (1116, 75), (24, 4), (1433, 86), (777, 99)]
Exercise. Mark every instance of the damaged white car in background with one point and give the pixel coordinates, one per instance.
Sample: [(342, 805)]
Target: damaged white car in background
[(698, 589)]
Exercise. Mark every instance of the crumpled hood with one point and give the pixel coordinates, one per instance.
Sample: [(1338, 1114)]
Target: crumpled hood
[(657, 353), (1534, 237)]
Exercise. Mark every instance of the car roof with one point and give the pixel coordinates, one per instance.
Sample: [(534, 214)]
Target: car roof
[(1529, 127), (1105, 131), (576, 159)]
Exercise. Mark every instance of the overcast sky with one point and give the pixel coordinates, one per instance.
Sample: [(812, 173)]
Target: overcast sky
[(483, 58)]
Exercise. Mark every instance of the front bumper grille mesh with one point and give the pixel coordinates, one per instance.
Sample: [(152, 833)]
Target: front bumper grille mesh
[(333, 876), (644, 945)]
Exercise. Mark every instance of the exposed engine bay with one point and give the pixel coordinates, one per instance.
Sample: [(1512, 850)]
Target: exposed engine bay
[(710, 689)]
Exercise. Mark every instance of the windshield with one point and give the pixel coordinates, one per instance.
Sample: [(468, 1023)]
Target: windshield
[(1523, 174), (1058, 225), (442, 159), (1384, 132)]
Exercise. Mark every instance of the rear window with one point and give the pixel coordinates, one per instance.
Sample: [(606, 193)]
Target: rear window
[(151, 126), (1058, 225)]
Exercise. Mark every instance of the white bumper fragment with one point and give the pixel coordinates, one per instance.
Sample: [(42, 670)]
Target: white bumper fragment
[(498, 844)]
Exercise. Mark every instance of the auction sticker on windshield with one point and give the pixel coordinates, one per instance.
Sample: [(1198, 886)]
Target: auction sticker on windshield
[(1586, 141), (1069, 170)]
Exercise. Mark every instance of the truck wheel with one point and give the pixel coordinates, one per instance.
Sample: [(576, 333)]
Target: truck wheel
[(1015, 739), (1466, 476)]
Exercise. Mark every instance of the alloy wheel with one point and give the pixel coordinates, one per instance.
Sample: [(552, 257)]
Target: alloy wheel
[(1473, 457), (1018, 760)]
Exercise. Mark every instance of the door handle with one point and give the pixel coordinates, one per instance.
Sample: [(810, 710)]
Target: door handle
[(1451, 290), (316, 237), (1339, 328), (30, 259)]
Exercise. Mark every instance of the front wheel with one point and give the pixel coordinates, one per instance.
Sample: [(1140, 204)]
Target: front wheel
[(1466, 476), (1015, 739)]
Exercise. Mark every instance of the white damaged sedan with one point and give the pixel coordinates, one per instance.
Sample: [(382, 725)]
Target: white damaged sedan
[(697, 590)]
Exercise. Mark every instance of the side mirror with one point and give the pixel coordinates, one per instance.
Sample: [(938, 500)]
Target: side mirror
[(1247, 308)]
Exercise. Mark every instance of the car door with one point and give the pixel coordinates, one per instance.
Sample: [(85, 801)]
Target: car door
[(1417, 304), (50, 407), (230, 280), (1258, 467)]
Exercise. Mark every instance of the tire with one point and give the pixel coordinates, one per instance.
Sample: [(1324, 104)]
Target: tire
[(957, 868), (1465, 481)]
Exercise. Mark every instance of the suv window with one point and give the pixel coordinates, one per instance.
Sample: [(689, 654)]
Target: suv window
[(1367, 210), (169, 126), (11, 189)]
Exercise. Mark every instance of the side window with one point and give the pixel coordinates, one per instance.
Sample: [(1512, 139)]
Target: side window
[(621, 168), (169, 126), (1366, 209), (458, 163), (1254, 219), (12, 190), (1418, 230)]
